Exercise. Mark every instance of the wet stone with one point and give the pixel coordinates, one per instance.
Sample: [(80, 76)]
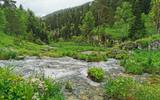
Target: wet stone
[(64, 69)]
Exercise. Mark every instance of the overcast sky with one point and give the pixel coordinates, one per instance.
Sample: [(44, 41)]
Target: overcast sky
[(43, 7)]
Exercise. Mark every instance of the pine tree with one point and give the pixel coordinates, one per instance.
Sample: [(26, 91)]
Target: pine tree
[(2, 20), (124, 17), (137, 29), (88, 23), (155, 14)]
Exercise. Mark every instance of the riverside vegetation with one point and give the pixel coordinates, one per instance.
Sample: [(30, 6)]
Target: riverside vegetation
[(127, 30)]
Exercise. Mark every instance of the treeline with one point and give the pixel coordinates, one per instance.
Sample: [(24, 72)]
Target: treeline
[(65, 23), (21, 23), (103, 21)]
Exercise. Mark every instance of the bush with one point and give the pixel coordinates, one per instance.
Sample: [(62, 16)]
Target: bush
[(123, 88), (14, 87), (96, 74), (69, 86), (120, 88), (6, 54)]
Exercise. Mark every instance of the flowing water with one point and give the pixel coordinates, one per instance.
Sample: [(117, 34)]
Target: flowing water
[(64, 69)]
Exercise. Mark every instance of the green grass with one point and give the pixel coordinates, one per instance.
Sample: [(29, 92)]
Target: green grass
[(73, 49), (14, 87), (143, 61), (123, 88), (12, 47)]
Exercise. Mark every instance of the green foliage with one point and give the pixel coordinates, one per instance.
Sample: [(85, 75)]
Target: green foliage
[(58, 49), (16, 21), (120, 88), (37, 28), (6, 54), (149, 25), (104, 11), (117, 53), (142, 62), (2, 20), (14, 87), (69, 86), (137, 29), (128, 45), (73, 49), (145, 42), (96, 74), (94, 57), (123, 88), (88, 24), (154, 13), (124, 17), (65, 23)]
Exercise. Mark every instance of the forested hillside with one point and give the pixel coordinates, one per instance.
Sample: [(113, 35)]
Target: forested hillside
[(65, 23), (104, 20), (16, 21)]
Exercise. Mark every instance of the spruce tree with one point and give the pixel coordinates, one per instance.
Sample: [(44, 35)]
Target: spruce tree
[(137, 29), (2, 20)]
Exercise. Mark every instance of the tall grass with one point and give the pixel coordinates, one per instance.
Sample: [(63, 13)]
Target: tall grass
[(143, 61), (14, 87), (123, 88)]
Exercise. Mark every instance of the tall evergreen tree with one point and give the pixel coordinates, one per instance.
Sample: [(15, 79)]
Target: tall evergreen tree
[(155, 13), (88, 23), (124, 17), (2, 20), (137, 29), (104, 11), (14, 22)]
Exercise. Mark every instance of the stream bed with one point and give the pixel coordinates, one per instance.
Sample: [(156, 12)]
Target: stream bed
[(64, 69)]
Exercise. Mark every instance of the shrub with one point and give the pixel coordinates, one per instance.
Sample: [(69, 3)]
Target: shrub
[(69, 86), (120, 88), (96, 74), (132, 67), (14, 87), (123, 88), (6, 54)]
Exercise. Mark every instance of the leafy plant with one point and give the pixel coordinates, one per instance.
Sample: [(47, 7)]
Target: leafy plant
[(69, 86), (142, 62), (124, 88), (120, 88), (14, 87), (96, 74), (7, 54)]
